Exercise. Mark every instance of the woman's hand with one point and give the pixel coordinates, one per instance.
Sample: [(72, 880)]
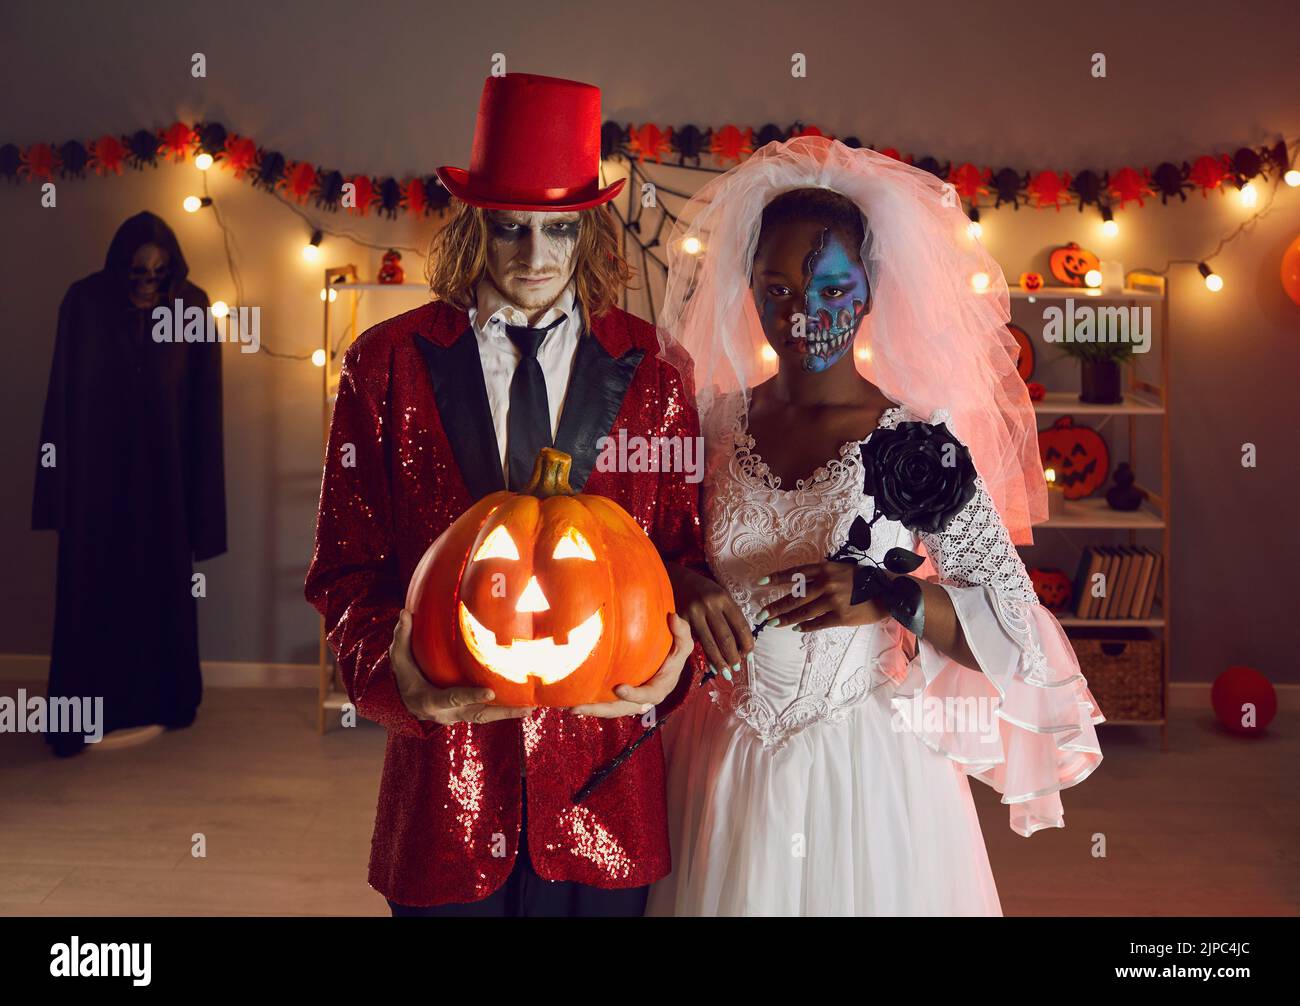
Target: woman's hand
[(825, 600), (717, 624)]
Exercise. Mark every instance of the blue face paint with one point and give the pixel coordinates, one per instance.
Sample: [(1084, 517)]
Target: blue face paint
[(835, 301)]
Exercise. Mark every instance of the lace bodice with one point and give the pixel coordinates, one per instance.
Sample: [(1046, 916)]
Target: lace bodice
[(754, 527)]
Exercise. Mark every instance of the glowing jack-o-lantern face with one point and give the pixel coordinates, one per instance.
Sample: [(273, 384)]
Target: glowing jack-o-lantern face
[(547, 597)]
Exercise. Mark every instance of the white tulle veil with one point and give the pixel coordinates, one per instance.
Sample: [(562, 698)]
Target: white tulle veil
[(936, 336)]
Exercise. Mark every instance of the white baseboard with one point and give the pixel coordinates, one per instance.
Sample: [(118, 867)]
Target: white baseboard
[(30, 667)]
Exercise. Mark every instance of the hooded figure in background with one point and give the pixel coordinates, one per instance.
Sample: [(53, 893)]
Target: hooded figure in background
[(130, 474)]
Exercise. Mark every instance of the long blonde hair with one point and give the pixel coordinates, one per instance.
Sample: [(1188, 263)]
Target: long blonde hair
[(458, 258)]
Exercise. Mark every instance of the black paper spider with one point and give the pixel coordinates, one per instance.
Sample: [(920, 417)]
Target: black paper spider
[(934, 167), (1245, 165), (390, 197), (143, 147), (1171, 180), (1088, 186), (852, 142), (435, 196), (212, 137), (72, 160), (10, 158), (689, 141), (1010, 184), (612, 136), (330, 190), (769, 134), (1276, 157), (270, 170)]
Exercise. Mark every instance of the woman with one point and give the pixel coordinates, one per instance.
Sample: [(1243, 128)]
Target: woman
[(824, 773)]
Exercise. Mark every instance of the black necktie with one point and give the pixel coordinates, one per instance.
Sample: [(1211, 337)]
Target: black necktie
[(528, 424)]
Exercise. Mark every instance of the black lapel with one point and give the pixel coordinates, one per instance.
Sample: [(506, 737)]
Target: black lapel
[(592, 402), (457, 375)]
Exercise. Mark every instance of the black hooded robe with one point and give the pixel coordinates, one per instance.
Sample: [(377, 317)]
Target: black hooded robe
[(136, 492)]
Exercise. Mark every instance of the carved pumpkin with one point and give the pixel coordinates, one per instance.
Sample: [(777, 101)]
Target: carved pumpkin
[(1031, 282), (1071, 263), (1025, 361), (548, 597), (1053, 588), (1078, 454)]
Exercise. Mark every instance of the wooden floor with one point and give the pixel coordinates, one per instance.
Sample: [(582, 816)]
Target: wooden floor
[(1210, 827)]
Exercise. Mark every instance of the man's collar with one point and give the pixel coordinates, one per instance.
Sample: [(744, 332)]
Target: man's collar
[(490, 303)]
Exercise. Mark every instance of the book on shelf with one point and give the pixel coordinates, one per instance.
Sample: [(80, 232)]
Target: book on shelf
[(1129, 577)]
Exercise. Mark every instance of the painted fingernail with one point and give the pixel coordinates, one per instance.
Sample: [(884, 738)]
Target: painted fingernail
[(762, 615), (764, 581), (712, 669), (774, 623), (726, 673)]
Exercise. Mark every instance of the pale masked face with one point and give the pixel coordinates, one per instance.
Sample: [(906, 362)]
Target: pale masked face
[(146, 275), (531, 256)]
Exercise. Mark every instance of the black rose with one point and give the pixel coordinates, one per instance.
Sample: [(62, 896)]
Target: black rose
[(919, 475)]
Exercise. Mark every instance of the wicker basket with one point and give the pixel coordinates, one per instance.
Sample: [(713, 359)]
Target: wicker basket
[(1124, 675)]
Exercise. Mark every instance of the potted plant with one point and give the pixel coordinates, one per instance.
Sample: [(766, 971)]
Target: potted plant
[(1099, 362)]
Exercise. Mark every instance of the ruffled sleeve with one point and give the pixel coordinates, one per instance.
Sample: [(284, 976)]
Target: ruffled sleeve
[(1035, 734)]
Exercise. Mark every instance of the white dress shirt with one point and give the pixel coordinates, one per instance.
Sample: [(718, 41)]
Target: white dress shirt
[(499, 357)]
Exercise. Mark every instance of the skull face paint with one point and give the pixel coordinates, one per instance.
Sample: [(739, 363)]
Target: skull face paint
[(147, 274), (835, 301), (531, 256), (811, 292)]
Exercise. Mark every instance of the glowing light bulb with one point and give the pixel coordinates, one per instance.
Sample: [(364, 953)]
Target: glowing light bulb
[(311, 250), (768, 353), (692, 245), (1110, 228), (203, 161), (1249, 195), (318, 358), (192, 204), (864, 353), (1050, 475), (331, 293), (974, 230), (1213, 281), (219, 309), (1292, 178), (979, 282), (1092, 278)]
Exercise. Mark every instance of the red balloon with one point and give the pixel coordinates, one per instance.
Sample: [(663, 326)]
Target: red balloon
[(1291, 270), (1236, 687)]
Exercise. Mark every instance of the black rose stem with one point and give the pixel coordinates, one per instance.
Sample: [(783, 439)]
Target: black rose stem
[(916, 474)]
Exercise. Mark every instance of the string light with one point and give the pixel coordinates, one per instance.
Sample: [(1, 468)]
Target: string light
[(311, 250), (203, 161), (219, 309), (1109, 225), (331, 293), (1292, 178), (318, 358), (1092, 278), (192, 204), (1249, 195), (692, 245), (974, 229), (768, 353), (1213, 281), (979, 282)]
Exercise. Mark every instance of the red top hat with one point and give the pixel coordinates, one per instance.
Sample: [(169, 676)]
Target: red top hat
[(536, 147)]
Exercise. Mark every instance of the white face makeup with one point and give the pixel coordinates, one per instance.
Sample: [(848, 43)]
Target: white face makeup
[(531, 256), (147, 272)]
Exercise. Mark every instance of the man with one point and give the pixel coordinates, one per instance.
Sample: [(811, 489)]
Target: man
[(523, 348)]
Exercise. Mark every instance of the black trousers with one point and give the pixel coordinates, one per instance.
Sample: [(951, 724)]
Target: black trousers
[(526, 894)]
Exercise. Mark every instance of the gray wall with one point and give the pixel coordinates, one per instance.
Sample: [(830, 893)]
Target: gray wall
[(391, 88)]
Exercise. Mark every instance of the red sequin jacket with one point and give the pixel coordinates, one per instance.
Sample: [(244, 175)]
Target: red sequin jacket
[(411, 446)]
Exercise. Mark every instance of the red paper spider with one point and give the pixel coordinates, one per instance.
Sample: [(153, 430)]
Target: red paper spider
[(241, 155), (177, 141), (730, 144), (1128, 186), (970, 182), (650, 141), (892, 152), (1047, 188), (299, 180), (414, 196), (365, 194), (1209, 173), (107, 154), (39, 161)]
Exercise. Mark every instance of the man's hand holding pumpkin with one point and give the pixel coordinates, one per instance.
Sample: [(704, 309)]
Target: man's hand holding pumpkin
[(635, 700)]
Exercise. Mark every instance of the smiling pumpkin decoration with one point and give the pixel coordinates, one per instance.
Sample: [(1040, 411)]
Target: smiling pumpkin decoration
[(1070, 264), (548, 597), (1077, 454)]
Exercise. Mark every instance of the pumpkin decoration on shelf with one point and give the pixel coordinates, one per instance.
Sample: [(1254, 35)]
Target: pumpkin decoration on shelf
[(548, 597), (1077, 454), (1070, 264), (1053, 588), (1031, 282), (390, 269), (1025, 361)]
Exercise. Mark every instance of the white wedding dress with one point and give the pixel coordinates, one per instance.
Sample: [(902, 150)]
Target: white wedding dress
[(830, 776)]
